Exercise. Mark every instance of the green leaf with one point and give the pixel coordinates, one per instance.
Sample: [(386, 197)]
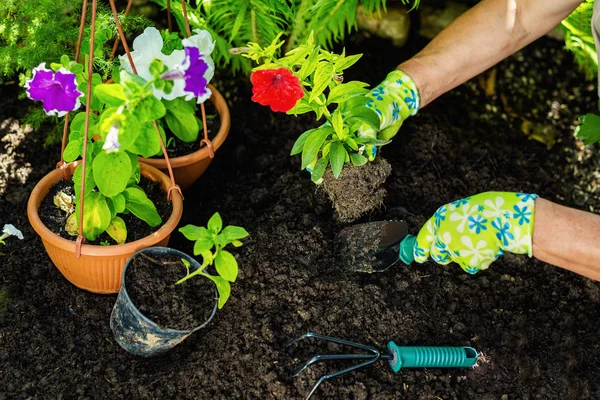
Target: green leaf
[(119, 203), (78, 123), (358, 159), (299, 144), (343, 63), (181, 120), (319, 169), (147, 143), (96, 215), (72, 151), (193, 232), (237, 243), (111, 93), (112, 172), (589, 130), (231, 233), (202, 245), (150, 109), (136, 173), (90, 184), (366, 116), (239, 20), (309, 66), (156, 68), (301, 107), (141, 206), (313, 145), (96, 103), (226, 265), (223, 287), (345, 91), (338, 124), (337, 156), (117, 230), (323, 76), (215, 223)]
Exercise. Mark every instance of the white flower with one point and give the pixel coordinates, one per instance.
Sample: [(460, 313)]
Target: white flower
[(146, 48), (10, 230), (111, 143)]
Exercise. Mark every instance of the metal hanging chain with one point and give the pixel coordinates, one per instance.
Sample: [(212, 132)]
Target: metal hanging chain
[(88, 110), (61, 163), (173, 186), (206, 141)]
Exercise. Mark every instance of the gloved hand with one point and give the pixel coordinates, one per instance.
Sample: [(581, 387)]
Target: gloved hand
[(394, 100), (475, 231)]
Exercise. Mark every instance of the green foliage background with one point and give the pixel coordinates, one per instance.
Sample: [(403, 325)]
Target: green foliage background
[(234, 23), (579, 39)]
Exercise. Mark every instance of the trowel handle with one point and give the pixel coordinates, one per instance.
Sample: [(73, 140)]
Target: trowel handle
[(407, 249), (430, 357)]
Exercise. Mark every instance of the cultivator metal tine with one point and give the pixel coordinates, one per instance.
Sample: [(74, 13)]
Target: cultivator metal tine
[(370, 358)]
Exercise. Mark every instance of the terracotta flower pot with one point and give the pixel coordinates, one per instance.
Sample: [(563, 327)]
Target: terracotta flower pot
[(187, 169), (99, 268)]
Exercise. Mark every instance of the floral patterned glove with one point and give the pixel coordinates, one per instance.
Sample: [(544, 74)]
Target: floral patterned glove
[(394, 100), (475, 231)]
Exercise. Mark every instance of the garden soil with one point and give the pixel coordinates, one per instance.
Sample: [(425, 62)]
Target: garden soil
[(535, 326)]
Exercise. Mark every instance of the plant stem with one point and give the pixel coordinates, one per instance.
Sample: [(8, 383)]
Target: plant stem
[(196, 272)]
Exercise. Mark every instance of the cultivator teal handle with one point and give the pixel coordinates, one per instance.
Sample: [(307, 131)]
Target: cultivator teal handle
[(430, 357)]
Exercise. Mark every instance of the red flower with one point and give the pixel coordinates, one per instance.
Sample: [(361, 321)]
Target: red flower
[(277, 88)]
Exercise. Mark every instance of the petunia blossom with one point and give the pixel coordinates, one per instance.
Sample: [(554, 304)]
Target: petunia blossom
[(205, 45), (10, 230), (111, 142), (57, 90), (196, 73), (277, 88), (147, 47)]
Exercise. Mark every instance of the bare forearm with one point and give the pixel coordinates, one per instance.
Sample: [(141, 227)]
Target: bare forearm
[(480, 38), (567, 238)]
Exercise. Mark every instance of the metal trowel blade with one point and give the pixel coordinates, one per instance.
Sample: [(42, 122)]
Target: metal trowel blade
[(372, 246)]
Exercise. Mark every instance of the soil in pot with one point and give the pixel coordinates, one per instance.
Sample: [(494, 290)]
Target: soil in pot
[(54, 218), (358, 190), (149, 281), (178, 148)]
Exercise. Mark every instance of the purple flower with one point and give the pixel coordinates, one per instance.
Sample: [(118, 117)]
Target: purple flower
[(58, 91), (195, 75), (196, 71)]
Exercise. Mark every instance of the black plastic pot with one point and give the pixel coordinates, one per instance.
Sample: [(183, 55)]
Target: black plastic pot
[(134, 331)]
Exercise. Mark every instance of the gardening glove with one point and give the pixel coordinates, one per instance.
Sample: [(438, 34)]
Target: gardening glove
[(394, 100), (475, 231)]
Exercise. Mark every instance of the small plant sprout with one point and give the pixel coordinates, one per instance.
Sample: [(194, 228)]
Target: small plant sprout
[(210, 243), (8, 231)]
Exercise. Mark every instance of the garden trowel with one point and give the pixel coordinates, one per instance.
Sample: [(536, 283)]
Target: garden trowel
[(375, 246)]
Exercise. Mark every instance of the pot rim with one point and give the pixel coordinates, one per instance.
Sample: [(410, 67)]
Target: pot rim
[(143, 317), (223, 110), (36, 198)]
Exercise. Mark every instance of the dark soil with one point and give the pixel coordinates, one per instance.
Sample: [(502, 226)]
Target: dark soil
[(179, 148), (535, 326), (150, 286), (54, 218), (358, 190)]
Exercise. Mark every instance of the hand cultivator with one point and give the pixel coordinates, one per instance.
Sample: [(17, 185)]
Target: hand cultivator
[(397, 356)]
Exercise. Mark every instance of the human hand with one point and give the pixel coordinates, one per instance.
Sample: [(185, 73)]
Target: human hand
[(394, 100), (475, 231)]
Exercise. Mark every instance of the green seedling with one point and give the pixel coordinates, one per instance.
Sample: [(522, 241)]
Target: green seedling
[(210, 243)]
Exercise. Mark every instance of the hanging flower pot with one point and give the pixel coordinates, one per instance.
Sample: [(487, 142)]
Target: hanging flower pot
[(98, 269), (171, 312), (188, 168)]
